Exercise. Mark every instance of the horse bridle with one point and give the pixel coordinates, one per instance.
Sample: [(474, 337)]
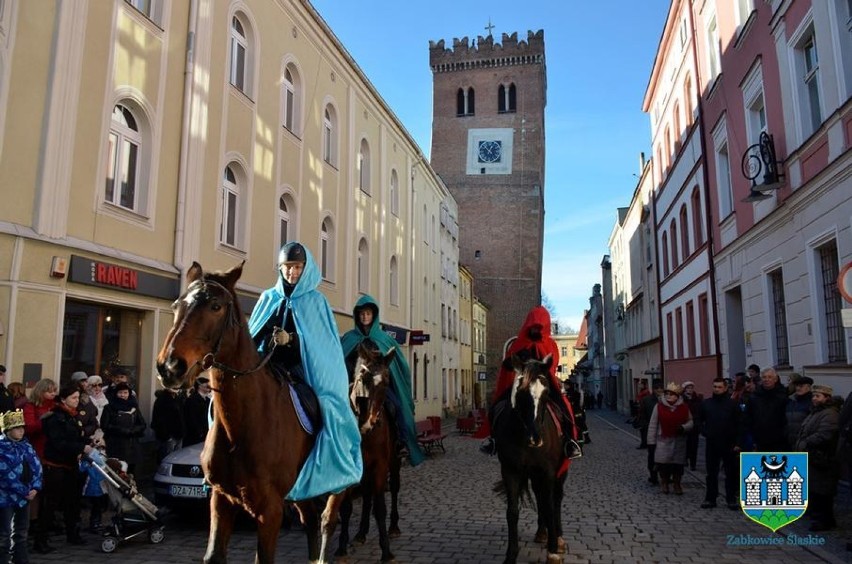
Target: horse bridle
[(358, 381), (209, 361)]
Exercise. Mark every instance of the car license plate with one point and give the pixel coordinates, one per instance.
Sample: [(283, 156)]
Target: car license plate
[(197, 492)]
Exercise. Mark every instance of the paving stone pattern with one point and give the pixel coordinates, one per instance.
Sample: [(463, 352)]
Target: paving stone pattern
[(450, 515)]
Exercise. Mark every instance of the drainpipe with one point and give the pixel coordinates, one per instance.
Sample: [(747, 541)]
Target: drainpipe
[(183, 172)]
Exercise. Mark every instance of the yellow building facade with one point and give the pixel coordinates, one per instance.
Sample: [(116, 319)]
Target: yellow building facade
[(140, 136)]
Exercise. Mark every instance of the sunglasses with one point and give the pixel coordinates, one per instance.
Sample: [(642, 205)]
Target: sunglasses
[(97, 385)]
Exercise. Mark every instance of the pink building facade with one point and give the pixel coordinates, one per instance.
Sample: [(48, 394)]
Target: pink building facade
[(783, 69)]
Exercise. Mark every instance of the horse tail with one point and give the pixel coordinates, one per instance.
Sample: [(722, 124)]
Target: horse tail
[(525, 499)]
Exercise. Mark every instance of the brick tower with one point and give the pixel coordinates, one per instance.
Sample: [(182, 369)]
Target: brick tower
[(488, 147)]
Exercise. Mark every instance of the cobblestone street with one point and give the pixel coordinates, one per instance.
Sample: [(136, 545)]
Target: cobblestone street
[(450, 515)]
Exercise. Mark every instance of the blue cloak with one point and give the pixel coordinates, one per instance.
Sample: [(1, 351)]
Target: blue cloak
[(335, 461), (400, 372)]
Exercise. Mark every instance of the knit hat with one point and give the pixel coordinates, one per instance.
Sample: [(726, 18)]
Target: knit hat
[(824, 390), (688, 383), (79, 376), (95, 379), (804, 380), (11, 420), (674, 388), (68, 390)]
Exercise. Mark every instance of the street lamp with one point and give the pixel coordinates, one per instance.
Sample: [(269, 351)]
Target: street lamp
[(760, 158)]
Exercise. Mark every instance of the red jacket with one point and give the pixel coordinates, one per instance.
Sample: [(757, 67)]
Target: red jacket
[(32, 424)]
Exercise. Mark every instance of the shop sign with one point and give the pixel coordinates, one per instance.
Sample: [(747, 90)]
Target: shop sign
[(418, 337), (106, 275), (398, 334)]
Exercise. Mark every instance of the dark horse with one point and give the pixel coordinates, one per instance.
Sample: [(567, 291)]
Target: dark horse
[(370, 381), (256, 446), (530, 452)]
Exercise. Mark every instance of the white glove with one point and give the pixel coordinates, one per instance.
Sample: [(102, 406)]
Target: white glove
[(281, 337)]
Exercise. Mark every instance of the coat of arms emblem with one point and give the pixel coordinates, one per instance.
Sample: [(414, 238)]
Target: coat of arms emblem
[(774, 487)]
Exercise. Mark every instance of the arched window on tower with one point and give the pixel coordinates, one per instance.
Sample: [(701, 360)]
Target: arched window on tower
[(464, 102), (470, 102), (506, 98), (460, 105)]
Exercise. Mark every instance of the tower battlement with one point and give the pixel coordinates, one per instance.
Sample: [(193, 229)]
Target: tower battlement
[(485, 53)]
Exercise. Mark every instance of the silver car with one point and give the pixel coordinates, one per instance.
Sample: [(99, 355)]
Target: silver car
[(179, 477)]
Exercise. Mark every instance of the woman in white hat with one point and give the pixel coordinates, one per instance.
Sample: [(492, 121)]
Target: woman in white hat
[(670, 423)]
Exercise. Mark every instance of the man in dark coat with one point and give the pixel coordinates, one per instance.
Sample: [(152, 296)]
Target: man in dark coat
[(196, 412), (693, 400), (766, 414), (718, 420), (167, 422), (646, 409)]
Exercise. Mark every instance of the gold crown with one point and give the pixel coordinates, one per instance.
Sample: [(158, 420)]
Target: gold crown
[(11, 419)]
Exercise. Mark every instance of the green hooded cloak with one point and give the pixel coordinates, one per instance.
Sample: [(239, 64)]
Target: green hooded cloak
[(400, 372)]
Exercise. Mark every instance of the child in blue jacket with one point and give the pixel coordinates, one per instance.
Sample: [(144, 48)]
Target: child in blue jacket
[(20, 479)]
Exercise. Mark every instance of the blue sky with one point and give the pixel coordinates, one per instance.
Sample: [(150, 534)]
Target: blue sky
[(599, 58)]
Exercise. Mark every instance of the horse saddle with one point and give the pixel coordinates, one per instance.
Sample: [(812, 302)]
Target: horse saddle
[(305, 401)]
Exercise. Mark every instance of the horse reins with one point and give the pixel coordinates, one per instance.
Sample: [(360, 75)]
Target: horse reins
[(209, 361)]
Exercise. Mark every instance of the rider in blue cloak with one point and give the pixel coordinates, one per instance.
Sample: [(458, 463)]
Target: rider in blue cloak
[(368, 330), (294, 317)]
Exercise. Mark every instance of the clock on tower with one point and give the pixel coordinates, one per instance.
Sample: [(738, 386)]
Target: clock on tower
[(489, 151)]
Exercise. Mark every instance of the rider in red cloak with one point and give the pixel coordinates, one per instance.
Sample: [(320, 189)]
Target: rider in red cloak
[(533, 341)]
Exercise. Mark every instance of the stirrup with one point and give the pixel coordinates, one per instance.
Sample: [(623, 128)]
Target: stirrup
[(572, 449), (488, 447)]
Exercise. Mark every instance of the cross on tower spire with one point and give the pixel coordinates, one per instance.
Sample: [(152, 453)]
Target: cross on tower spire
[(490, 26)]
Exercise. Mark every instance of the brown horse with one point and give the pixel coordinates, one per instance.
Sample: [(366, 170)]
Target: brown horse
[(530, 452), (370, 381), (255, 447)]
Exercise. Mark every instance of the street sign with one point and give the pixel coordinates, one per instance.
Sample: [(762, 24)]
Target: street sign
[(844, 282), (418, 337)]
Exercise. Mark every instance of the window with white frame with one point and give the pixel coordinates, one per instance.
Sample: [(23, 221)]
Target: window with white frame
[(755, 106), (394, 192), (831, 303), (714, 46), (364, 167), (124, 158), (292, 98), (230, 205), (285, 221), (744, 8), (778, 322), (806, 77), (239, 55), (683, 32), (151, 9), (329, 135), (327, 249), (363, 265), (723, 170), (394, 281)]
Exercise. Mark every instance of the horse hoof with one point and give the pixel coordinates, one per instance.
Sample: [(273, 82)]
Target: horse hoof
[(359, 539), (540, 537), (554, 558), (394, 533), (561, 546), (389, 557)]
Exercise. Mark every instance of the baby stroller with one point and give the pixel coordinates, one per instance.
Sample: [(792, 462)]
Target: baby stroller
[(134, 514)]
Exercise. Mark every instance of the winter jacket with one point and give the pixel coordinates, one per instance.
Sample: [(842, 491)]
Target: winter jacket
[(87, 414), (20, 471), (670, 449), (64, 438), (798, 407), (167, 416), (818, 437), (33, 429), (196, 418), (719, 419), (122, 430), (766, 418)]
